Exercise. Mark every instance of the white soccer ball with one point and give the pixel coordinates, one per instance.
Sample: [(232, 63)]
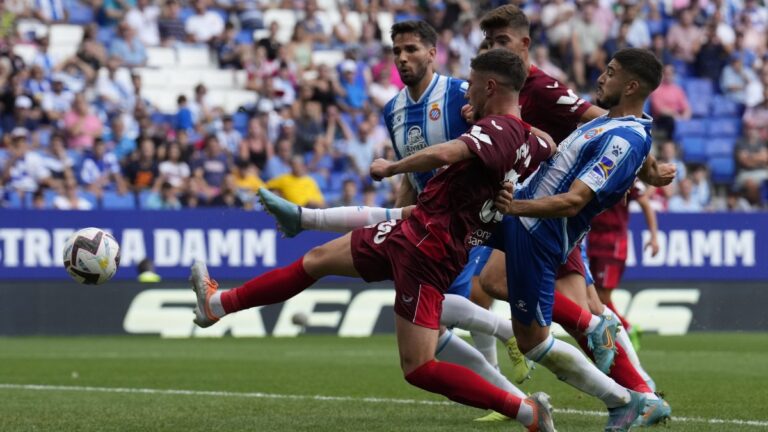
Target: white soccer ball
[(91, 256)]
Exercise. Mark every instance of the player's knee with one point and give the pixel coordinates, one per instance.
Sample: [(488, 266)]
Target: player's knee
[(494, 285), (420, 375), (411, 363), (315, 259)]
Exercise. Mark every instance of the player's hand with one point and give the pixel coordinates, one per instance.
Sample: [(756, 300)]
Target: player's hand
[(381, 168), (653, 243), (468, 114), (505, 198), (665, 174)]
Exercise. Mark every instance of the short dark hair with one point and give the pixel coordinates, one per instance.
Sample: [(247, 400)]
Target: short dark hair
[(505, 16), (509, 66), (641, 63), (422, 29)]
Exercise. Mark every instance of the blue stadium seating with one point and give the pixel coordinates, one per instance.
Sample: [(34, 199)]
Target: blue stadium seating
[(240, 121), (76, 157), (3, 156), (722, 106), (13, 200), (144, 198), (723, 169), (692, 127), (48, 197), (244, 37), (80, 13), (724, 127), (113, 201), (720, 147), (320, 179), (694, 149), (700, 92)]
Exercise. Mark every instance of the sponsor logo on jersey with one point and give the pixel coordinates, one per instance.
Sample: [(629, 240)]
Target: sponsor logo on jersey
[(434, 112), (605, 167), (415, 142), (593, 133)]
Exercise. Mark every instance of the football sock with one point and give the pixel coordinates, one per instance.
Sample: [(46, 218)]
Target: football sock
[(460, 312), (570, 365), (569, 314), (343, 219), (624, 322), (486, 344), (622, 338), (623, 371), (461, 385), (214, 303), (453, 349), (272, 287)]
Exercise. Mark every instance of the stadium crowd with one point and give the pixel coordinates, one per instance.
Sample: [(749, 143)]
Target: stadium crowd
[(81, 131)]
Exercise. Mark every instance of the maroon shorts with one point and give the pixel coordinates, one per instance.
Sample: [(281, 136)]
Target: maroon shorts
[(573, 264), (607, 272), (382, 252)]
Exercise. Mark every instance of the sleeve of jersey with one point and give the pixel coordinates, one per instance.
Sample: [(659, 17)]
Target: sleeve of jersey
[(613, 169), (539, 151), (563, 102), (484, 140)]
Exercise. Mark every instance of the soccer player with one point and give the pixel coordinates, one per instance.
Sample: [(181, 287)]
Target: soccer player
[(424, 253), (592, 170)]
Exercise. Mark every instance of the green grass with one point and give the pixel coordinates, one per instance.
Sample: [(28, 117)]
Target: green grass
[(710, 376)]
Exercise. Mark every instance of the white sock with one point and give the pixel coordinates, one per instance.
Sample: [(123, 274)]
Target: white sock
[(525, 414), (453, 349), (593, 322), (486, 344), (623, 339), (214, 303), (571, 366), (343, 219), (460, 312)]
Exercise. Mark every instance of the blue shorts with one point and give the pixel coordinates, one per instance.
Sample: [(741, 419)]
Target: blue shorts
[(478, 256), (531, 270), (587, 273)]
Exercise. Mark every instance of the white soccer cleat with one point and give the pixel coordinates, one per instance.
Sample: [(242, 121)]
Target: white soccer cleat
[(204, 287)]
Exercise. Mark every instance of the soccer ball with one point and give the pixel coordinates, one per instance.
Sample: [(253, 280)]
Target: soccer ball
[(91, 256)]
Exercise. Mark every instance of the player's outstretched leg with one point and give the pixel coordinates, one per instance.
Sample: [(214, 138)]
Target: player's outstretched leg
[(287, 214), (599, 330)]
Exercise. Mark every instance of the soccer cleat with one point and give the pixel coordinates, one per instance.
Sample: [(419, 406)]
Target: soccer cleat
[(521, 366), (493, 416), (602, 342), (620, 419), (287, 214), (204, 287), (542, 413), (635, 333), (656, 411)]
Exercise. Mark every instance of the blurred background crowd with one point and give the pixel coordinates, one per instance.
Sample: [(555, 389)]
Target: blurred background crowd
[(167, 104)]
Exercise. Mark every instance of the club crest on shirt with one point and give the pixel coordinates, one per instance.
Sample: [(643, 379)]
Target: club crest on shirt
[(592, 133), (434, 112), (415, 142)]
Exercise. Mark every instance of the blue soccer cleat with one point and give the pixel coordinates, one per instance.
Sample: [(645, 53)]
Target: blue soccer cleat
[(656, 411), (287, 214), (602, 342), (621, 419)]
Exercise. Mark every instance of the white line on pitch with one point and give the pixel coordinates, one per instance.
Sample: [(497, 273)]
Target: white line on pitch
[(259, 395)]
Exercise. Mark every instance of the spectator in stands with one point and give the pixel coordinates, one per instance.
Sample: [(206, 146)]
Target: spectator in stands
[(128, 47), (36, 83), (25, 170), (228, 136), (361, 150), (738, 82), (57, 101), (700, 181), (300, 47), (70, 199), (90, 50), (210, 168), (684, 201), (586, 39), (205, 25), (283, 85), (320, 162), (754, 35), (43, 57), (668, 153), (255, 147), (344, 31), (748, 55), (142, 170), (382, 89), (734, 202), (684, 38), (115, 91), (757, 116), (297, 187), (249, 14), (308, 123), (669, 103), (174, 170), (169, 24), (619, 42), (81, 125), (183, 120), (164, 199), (229, 52), (387, 61), (659, 48), (50, 11), (313, 26), (247, 179), (24, 114), (752, 164), (557, 19), (121, 145), (143, 19), (58, 161), (712, 57), (354, 95), (227, 196), (324, 87), (100, 170), (465, 43), (270, 43), (348, 195), (280, 163)]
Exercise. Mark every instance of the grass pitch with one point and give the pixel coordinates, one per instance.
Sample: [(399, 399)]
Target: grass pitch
[(715, 382)]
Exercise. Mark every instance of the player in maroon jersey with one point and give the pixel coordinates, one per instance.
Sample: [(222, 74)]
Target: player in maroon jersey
[(424, 253)]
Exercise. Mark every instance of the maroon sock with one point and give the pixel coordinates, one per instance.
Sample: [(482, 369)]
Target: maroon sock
[(623, 371), (461, 385), (569, 314), (624, 322), (272, 287)]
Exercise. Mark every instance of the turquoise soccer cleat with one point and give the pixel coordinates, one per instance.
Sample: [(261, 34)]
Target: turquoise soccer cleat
[(656, 411), (287, 214), (602, 342), (621, 419)]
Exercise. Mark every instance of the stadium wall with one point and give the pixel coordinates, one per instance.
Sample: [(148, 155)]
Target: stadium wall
[(238, 245)]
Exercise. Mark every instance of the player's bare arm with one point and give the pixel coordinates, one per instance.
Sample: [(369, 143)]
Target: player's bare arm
[(430, 158), (653, 226), (561, 205), (406, 194), (655, 173)]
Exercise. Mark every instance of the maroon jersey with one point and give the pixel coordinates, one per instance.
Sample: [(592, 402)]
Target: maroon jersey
[(455, 210), (608, 236)]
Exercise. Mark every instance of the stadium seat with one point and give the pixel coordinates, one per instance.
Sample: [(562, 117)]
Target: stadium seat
[(153, 77), (385, 21), (26, 52), (694, 150), (218, 78), (111, 200), (161, 57), (723, 127), (699, 92), (239, 98), (194, 57), (244, 37), (80, 13), (688, 128), (724, 107), (91, 198), (286, 20), (330, 58), (320, 179), (720, 147), (105, 35), (66, 34), (723, 169), (240, 121), (62, 52), (13, 200), (144, 198), (76, 157)]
